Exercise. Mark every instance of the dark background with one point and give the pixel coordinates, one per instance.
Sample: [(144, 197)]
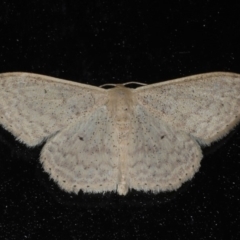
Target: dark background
[(98, 42)]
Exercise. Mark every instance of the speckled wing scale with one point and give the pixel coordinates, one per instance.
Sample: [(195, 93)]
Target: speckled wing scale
[(84, 155), (72, 118), (206, 106), (101, 140), (161, 157), (174, 117), (34, 107)]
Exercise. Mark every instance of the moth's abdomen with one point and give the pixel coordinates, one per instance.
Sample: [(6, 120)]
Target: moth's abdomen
[(120, 108)]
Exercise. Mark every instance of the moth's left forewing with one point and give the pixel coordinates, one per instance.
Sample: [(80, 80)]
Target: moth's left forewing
[(207, 106), (34, 107)]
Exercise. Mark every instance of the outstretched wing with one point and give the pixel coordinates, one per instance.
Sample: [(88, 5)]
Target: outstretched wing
[(207, 106), (84, 156), (34, 107), (161, 158)]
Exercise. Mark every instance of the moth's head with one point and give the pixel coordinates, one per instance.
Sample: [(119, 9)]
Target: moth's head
[(110, 85)]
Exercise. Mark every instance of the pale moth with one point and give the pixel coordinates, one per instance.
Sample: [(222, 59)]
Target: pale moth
[(117, 139)]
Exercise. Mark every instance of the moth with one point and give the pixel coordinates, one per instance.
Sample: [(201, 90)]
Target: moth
[(117, 139)]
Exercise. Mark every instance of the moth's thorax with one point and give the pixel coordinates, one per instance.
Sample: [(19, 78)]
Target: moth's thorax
[(120, 103)]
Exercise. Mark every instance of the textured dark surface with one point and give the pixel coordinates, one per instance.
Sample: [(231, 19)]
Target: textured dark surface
[(97, 42)]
